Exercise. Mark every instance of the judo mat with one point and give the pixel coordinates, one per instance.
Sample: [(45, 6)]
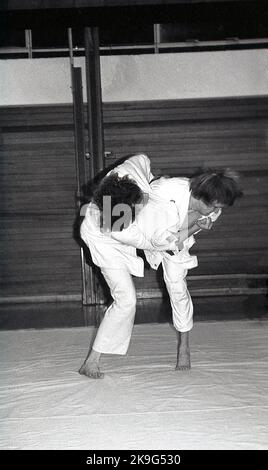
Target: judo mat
[(142, 403)]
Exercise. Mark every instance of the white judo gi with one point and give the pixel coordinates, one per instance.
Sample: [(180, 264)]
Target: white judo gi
[(154, 231)]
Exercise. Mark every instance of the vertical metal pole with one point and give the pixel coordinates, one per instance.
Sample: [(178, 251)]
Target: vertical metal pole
[(94, 99), (70, 42), (89, 285), (94, 113), (89, 295), (28, 43), (156, 38), (79, 125)]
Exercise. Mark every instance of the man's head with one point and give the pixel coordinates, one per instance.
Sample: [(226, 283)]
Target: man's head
[(119, 200), (212, 189)]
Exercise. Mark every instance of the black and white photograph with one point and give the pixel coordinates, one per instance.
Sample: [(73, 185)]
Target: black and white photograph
[(134, 228)]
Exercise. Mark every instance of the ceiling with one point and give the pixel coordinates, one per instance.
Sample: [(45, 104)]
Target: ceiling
[(46, 4), (123, 22), (102, 12)]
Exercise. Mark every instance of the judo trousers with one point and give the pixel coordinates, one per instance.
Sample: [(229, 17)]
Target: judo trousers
[(114, 333)]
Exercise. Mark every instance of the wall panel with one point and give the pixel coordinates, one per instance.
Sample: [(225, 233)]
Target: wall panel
[(38, 254), (180, 136)]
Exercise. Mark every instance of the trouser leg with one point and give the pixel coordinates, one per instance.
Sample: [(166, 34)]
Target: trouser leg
[(115, 330), (180, 299)]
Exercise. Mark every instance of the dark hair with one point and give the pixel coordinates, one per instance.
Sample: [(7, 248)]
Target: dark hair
[(221, 185), (122, 190)]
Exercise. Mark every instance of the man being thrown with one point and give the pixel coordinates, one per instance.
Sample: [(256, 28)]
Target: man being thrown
[(164, 227)]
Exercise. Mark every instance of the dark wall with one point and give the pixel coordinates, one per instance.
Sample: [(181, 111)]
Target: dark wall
[(39, 256), (180, 136), (38, 181)]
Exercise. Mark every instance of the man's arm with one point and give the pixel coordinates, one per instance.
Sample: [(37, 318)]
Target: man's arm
[(137, 167), (186, 233), (133, 236), (194, 227)]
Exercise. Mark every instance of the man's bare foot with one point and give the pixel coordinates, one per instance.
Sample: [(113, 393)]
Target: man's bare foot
[(91, 370), (183, 360)]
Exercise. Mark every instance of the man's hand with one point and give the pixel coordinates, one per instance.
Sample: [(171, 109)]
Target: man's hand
[(205, 224)]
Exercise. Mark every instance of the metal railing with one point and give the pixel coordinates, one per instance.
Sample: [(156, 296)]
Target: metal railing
[(157, 46)]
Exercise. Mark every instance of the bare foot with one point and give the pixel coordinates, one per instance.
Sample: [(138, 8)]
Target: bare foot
[(91, 370), (183, 360)]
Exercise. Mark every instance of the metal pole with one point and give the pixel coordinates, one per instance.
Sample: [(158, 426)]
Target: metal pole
[(82, 170), (156, 38), (28, 43), (94, 99), (94, 122)]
